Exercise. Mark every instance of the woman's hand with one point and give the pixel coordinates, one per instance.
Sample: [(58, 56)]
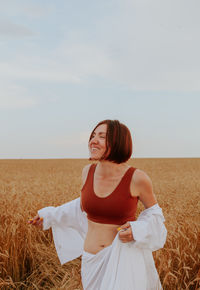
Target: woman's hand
[(36, 221), (125, 234)]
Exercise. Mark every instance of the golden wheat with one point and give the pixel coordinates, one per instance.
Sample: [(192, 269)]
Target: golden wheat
[(28, 259)]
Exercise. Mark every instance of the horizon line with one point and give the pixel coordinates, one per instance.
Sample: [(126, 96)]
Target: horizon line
[(63, 158)]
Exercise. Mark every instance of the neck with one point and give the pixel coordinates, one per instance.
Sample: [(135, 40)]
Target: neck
[(108, 168)]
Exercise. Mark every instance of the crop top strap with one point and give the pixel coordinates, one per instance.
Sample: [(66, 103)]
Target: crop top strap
[(89, 178), (91, 172)]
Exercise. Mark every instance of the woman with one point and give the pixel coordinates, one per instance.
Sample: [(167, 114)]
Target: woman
[(109, 196)]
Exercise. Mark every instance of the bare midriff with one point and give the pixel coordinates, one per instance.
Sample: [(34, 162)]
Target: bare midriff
[(99, 236)]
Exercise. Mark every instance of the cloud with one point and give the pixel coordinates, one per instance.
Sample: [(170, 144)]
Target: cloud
[(37, 70), (7, 28), (15, 97), (29, 9), (70, 62), (133, 45)]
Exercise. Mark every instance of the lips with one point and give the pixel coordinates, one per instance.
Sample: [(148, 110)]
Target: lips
[(94, 149)]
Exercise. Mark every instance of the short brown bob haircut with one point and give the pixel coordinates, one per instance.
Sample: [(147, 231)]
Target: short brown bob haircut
[(118, 141)]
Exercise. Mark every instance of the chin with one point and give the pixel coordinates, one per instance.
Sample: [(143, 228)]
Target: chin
[(94, 157)]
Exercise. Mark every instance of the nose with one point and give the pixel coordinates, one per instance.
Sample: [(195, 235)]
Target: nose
[(94, 140)]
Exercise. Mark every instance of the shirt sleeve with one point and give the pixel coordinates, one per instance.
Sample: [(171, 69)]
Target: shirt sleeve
[(69, 227), (66, 214), (149, 230)]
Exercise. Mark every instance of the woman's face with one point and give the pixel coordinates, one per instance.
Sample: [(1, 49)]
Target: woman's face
[(97, 144)]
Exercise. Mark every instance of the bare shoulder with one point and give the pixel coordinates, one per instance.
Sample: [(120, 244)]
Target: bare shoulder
[(141, 178), (85, 171), (143, 187)]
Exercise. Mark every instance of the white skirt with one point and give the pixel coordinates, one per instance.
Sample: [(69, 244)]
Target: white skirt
[(119, 266)]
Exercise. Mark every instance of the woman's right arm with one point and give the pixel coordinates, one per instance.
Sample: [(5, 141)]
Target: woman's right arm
[(64, 214)]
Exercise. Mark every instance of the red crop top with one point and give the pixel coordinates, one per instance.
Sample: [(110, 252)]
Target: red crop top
[(116, 208)]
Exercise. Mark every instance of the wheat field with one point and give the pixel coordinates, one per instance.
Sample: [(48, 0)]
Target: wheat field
[(28, 259)]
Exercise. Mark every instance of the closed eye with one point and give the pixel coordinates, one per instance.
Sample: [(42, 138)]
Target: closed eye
[(101, 136)]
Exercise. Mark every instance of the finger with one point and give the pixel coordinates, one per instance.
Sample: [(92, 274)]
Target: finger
[(125, 232), (30, 221), (122, 229), (126, 241), (35, 221), (125, 226), (38, 221), (126, 236)]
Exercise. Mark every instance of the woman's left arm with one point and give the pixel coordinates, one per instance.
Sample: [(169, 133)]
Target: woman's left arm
[(148, 231)]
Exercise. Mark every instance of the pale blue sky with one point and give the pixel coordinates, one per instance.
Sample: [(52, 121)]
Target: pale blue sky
[(66, 65)]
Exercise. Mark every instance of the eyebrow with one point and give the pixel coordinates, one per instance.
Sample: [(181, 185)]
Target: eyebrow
[(99, 133)]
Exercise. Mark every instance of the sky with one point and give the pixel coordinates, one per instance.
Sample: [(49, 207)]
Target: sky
[(66, 65)]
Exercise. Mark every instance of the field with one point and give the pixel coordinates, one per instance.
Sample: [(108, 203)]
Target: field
[(28, 259)]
